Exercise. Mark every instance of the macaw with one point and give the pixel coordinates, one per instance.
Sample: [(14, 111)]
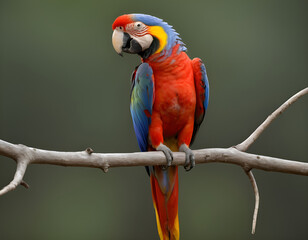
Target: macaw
[(169, 97)]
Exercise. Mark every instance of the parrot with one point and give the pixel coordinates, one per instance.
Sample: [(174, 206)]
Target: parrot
[(168, 100)]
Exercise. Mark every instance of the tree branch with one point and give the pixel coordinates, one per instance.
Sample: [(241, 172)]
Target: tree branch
[(24, 156), (105, 161), (253, 137)]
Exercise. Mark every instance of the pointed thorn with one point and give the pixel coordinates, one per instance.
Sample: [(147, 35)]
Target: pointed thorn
[(23, 183)]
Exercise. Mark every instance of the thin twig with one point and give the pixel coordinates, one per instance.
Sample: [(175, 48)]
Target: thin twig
[(257, 199), (19, 174), (252, 138)]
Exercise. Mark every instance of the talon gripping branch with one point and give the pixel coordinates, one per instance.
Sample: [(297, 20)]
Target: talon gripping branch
[(169, 97)]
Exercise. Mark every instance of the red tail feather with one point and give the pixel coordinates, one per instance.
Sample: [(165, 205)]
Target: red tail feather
[(165, 199)]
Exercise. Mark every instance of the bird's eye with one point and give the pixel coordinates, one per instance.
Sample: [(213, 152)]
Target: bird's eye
[(121, 28), (138, 25)]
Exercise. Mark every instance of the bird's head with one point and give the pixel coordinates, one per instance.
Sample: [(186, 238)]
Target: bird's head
[(144, 35)]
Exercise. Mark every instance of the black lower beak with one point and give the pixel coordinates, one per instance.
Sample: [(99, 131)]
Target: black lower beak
[(130, 45)]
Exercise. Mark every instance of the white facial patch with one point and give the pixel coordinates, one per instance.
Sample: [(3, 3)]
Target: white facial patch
[(145, 41)]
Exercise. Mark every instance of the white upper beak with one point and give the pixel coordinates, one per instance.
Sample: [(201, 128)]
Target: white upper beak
[(117, 40)]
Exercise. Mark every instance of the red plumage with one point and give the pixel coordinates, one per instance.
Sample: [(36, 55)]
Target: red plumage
[(122, 21), (175, 98), (172, 123), (166, 204)]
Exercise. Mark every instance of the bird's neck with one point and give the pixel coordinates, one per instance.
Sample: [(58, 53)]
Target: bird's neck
[(167, 62)]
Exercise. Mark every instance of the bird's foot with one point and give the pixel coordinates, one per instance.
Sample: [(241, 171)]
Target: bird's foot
[(168, 153), (189, 157)]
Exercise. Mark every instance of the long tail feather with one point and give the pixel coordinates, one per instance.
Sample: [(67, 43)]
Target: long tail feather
[(164, 184)]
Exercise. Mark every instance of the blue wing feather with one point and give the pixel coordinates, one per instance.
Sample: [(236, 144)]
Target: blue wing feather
[(206, 86), (141, 104)]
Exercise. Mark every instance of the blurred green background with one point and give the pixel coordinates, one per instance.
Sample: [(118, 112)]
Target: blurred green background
[(63, 87)]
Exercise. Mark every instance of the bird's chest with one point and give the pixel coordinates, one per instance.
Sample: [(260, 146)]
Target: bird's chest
[(175, 100)]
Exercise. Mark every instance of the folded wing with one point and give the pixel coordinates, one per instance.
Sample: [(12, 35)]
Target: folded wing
[(202, 93)]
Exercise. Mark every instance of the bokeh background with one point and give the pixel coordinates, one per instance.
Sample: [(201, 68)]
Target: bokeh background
[(63, 87)]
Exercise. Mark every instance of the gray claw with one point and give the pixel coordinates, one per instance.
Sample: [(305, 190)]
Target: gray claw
[(189, 157), (168, 153)]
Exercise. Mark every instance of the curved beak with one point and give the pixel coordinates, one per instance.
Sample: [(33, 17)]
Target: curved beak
[(117, 41), (122, 42)]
